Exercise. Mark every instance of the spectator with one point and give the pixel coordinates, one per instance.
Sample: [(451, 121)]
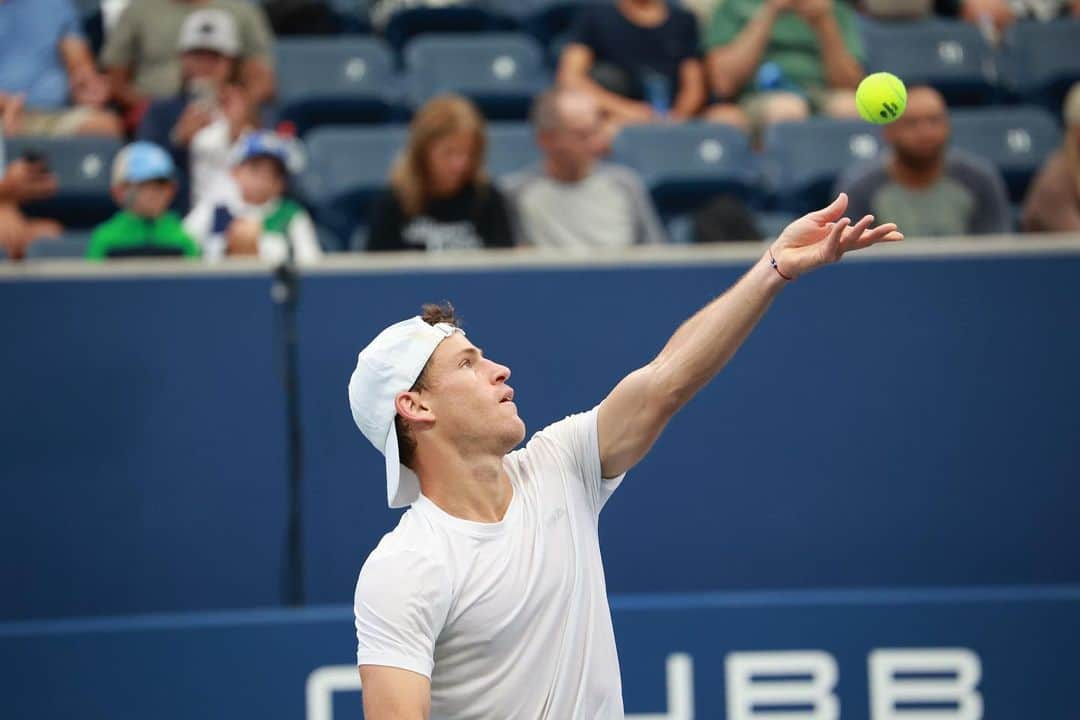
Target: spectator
[(781, 60), (571, 200), (640, 59), (247, 213), (23, 180), (932, 190), (1053, 201), (201, 123), (143, 185), (440, 197), (49, 84), (995, 16), (143, 62)]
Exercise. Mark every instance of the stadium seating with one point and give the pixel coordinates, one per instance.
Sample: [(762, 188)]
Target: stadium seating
[(804, 159), (1015, 139), (685, 165), (69, 246), (510, 147), (1042, 60), (409, 23), (951, 56), (544, 19), (82, 166), (347, 168), (500, 72), (336, 81)]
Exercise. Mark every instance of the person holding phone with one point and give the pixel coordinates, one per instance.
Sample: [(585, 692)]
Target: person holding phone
[(202, 122), (25, 179)]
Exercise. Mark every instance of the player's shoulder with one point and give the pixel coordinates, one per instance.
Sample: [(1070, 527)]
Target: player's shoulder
[(413, 552), (562, 436)]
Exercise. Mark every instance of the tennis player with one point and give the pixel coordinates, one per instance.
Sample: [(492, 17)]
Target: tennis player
[(488, 599)]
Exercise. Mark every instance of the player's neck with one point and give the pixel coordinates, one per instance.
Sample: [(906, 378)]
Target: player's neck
[(470, 488)]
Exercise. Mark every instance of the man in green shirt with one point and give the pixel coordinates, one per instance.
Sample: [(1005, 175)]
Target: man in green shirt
[(143, 185), (781, 60)]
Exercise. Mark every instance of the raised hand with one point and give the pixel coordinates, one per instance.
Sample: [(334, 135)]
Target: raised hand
[(823, 236)]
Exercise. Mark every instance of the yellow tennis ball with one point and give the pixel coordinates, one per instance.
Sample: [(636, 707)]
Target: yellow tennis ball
[(881, 98)]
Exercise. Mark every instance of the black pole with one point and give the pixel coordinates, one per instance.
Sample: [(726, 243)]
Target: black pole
[(284, 292)]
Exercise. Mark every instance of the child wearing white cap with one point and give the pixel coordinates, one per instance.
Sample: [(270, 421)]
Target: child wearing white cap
[(247, 211), (488, 599)]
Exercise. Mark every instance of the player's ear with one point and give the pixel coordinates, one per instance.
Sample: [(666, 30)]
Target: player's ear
[(411, 406)]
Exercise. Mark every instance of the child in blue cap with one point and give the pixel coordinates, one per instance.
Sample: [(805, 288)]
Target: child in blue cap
[(248, 213), (143, 185)]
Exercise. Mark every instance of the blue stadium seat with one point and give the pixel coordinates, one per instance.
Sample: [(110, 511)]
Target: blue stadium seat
[(339, 80), (1042, 60), (500, 72), (1015, 139), (346, 169), (68, 246), (82, 166), (950, 55), (544, 19), (684, 165), (510, 147), (409, 23), (803, 159)]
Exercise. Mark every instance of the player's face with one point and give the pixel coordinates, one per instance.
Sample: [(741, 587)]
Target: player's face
[(470, 399), (919, 136)]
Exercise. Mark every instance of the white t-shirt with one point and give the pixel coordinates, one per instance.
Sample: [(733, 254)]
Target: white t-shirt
[(507, 619)]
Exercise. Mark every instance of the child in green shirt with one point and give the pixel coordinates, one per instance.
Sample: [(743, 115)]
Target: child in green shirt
[(143, 185)]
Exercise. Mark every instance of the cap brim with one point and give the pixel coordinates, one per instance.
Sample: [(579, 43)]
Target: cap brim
[(402, 485)]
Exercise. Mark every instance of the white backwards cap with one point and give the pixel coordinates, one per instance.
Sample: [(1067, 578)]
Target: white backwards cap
[(390, 365)]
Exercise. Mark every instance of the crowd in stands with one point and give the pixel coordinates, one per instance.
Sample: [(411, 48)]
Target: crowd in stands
[(210, 169)]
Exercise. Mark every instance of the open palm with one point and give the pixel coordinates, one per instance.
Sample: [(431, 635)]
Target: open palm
[(823, 236)]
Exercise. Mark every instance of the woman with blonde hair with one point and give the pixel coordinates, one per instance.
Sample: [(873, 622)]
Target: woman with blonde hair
[(1053, 200), (440, 198)]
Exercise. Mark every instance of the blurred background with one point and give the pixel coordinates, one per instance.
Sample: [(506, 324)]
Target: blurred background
[(208, 207)]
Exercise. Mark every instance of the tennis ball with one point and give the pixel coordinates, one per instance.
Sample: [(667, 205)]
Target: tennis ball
[(881, 98)]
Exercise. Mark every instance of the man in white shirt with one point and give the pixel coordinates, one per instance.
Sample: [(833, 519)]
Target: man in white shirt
[(488, 600), (570, 199)]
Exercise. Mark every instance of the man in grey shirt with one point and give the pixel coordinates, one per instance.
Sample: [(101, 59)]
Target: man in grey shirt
[(923, 186), (570, 199)]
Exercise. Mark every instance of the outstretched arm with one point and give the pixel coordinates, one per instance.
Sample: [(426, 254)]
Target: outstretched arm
[(636, 411)]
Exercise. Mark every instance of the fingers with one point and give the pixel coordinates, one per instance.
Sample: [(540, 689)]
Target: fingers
[(832, 211), (853, 233), (882, 233), (832, 249)]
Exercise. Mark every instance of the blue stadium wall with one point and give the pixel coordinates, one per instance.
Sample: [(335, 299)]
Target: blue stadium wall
[(903, 422)]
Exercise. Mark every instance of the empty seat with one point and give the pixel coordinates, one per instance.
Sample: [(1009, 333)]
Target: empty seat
[(949, 55), (1042, 60), (803, 159), (346, 169), (544, 19), (500, 72), (1015, 139), (408, 23), (82, 166), (510, 147), (341, 80), (684, 165), (68, 246)]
